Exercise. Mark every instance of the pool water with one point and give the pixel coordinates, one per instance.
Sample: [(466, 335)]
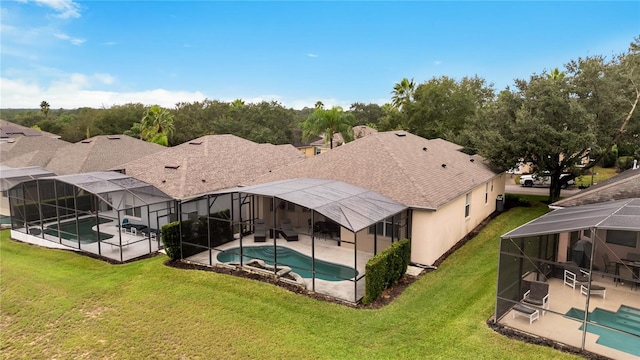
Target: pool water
[(626, 320), (299, 263), (87, 234), (5, 220)]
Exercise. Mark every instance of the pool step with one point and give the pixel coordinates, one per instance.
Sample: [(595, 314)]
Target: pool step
[(629, 310)]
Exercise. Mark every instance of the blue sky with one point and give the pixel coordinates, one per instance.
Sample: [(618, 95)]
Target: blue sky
[(104, 53)]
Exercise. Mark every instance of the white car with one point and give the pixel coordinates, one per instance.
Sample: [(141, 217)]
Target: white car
[(544, 179)]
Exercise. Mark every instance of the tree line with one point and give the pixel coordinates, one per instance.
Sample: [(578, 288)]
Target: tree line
[(554, 119)]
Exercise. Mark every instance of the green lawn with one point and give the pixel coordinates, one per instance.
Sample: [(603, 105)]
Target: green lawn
[(57, 304)]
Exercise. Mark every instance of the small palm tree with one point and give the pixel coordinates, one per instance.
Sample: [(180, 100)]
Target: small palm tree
[(44, 108), (156, 120), (403, 93), (328, 122)]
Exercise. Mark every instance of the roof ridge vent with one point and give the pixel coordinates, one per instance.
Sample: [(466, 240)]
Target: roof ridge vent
[(113, 137), (87, 141), (172, 166), (400, 133), (195, 142)]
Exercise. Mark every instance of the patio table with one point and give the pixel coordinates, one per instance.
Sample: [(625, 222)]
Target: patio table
[(635, 269)]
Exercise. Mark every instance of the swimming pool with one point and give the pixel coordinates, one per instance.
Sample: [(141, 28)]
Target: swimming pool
[(5, 220), (299, 263), (626, 320), (87, 234)]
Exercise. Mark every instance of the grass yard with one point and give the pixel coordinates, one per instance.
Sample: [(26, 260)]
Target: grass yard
[(599, 174), (56, 304)]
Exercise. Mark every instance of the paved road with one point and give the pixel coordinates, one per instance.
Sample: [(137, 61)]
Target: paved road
[(517, 189)]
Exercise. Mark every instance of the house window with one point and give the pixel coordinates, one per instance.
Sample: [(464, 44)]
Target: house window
[(491, 185), (386, 227), (467, 205), (291, 207), (136, 211), (621, 237), (486, 193), (317, 151)]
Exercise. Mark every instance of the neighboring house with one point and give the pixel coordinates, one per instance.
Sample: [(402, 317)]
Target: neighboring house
[(595, 232), (448, 192), (100, 153), (108, 214), (209, 163), (10, 177), (622, 186), (22, 146), (320, 145)]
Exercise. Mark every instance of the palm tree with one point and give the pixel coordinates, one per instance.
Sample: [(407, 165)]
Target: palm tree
[(44, 108), (156, 120), (403, 92), (319, 105), (556, 74), (328, 122)]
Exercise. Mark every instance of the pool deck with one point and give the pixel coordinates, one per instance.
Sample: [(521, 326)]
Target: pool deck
[(133, 246), (326, 249), (554, 325)]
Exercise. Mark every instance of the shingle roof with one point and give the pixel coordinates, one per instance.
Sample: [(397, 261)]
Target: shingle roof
[(209, 163), (11, 130), (402, 166), (100, 153), (625, 185), (29, 150)]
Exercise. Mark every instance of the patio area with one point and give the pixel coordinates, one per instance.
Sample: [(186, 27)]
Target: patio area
[(323, 248), (554, 324), (132, 247)]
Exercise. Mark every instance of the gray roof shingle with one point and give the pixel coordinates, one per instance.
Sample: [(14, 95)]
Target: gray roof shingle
[(100, 153), (209, 163), (402, 166), (625, 185)]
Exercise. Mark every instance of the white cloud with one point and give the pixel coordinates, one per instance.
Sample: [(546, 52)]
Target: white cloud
[(75, 91), (437, 62), (65, 8), (110, 43), (74, 41), (312, 55)]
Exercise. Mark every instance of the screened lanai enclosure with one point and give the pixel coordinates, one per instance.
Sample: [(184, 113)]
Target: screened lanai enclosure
[(107, 214), (316, 233), (10, 177), (572, 276)]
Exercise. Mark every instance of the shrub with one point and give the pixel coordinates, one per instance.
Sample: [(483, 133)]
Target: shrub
[(386, 268), (171, 239), (625, 163), (511, 201)]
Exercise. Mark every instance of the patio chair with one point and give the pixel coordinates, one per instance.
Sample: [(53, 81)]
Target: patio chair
[(573, 276), (287, 231), (537, 295), (522, 310), (594, 290), (259, 231), (608, 265)]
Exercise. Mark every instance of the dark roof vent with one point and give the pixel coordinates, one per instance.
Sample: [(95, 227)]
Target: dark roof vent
[(424, 148), (164, 181), (444, 165), (86, 141), (174, 167), (401, 133), (195, 142), (113, 137), (472, 160), (203, 180)]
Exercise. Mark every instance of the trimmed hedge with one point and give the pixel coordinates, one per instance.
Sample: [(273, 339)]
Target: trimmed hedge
[(386, 268), (171, 239)]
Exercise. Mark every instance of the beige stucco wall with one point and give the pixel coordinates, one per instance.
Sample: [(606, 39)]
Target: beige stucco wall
[(435, 232), (4, 206)]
